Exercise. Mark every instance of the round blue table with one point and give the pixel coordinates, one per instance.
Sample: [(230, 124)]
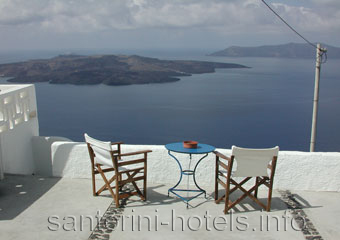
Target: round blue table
[(178, 148)]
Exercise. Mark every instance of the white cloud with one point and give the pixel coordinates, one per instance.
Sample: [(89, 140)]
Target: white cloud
[(218, 15), (67, 15), (308, 19)]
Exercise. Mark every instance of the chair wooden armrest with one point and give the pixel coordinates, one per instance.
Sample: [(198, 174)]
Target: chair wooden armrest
[(129, 162), (116, 143), (218, 154), (134, 153)]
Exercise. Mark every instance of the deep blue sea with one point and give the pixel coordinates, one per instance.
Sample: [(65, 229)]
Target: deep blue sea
[(266, 105)]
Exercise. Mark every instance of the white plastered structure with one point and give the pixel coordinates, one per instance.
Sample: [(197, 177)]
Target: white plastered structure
[(18, 124), (317, 171)]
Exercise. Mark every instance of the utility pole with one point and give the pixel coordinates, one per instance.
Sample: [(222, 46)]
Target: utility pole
[(319, 52), (1, 164)]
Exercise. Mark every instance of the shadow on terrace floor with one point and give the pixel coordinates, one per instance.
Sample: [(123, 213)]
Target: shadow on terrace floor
[(17, 193), (157, 196)]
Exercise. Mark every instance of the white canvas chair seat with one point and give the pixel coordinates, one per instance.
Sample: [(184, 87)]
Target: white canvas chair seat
[(106, 158), (250, 163)]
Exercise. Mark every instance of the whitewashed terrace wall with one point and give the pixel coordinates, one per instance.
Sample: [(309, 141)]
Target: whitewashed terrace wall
[(295, 170), (18, 124)]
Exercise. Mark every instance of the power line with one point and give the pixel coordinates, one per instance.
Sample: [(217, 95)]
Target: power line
[(271, 9)]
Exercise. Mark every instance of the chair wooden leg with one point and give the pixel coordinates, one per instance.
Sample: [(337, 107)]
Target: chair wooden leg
[(144, 188), (104, 187), (216, 190), (216, 176), (145, 176), (106, 181), (271, 182), (269, 201), (94, 182), (117, 191), (136, 187), (226, 203), (120, 178), (256, 190)]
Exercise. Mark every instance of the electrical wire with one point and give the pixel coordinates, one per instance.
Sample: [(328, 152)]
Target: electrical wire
[(306, 40)]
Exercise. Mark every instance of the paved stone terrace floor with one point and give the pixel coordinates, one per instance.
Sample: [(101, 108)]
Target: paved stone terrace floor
[(33, 207)]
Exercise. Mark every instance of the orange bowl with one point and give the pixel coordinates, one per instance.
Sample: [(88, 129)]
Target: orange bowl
[(190, 144)]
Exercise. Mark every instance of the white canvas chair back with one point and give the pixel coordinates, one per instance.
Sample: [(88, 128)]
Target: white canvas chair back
[(253, 162), (101, 150)]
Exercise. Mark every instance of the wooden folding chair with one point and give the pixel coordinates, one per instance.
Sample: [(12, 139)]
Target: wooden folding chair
[(104, 159), (250, 163)]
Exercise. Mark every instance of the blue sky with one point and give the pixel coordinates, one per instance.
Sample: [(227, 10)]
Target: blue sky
[(160, 24)]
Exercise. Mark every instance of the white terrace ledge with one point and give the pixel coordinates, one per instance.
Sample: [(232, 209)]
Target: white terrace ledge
[(317, 171)]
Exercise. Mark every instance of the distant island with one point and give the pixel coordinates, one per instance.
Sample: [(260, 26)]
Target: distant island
[(290, 50), (106, 69)]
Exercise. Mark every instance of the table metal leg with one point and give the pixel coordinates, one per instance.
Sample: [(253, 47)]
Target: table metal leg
[(180, 169), (199, 190), (194, 174)]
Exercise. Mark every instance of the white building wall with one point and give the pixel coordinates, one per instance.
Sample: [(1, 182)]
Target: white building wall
[(18, 124), (295, 170)]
